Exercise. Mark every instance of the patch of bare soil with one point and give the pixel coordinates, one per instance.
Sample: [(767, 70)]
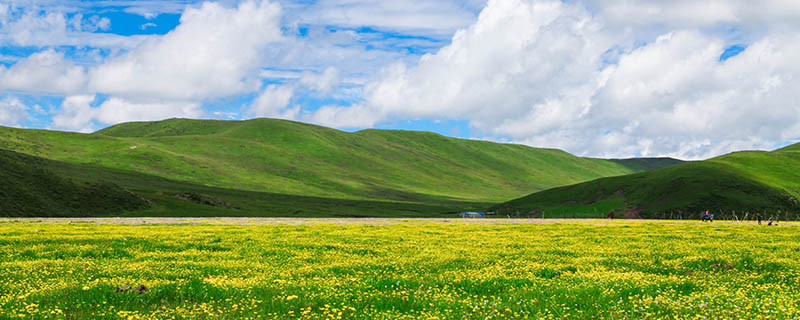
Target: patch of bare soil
[(128, 289), (629, 213), (204, 200)]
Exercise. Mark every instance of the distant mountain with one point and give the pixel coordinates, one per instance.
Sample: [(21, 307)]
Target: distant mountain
[(276, 157), (743, 182)]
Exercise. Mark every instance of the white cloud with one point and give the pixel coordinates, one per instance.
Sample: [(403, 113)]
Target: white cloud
[(692, 14), (150, 9), (356, 59), (12, 111), (538, 72), (214, 52), (601, 78), (491, 73), (322, 82), (44, 72), (356, 116), (674, 97), (27, 24), (116, 110), (97, 23), (78, 114), (3, 13), (91, 24), (273, 102), (34, 29), (144, 26), (434, 17)]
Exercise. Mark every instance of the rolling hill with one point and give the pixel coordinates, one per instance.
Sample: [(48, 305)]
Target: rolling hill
[(31, 188), (743, 182), (328, 171)]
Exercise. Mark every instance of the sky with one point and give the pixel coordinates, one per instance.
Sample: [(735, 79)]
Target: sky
[(601, 78)]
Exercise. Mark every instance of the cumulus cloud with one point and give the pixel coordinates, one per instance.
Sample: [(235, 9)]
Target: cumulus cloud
[(273, 102), (697, 14), (356, 116), (12, 111), (568, 75), (77, 113), (492, 72), (322, 82), (26, 24), (32, 28), (116, 110), (609, 78), (214, 52), (44, 72), (91, 24)]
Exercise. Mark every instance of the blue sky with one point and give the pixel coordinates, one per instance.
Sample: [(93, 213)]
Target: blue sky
[(125, 19), (598, 78)]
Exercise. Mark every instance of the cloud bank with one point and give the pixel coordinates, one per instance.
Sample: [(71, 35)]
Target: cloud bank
[(555, 74), (611, 78)]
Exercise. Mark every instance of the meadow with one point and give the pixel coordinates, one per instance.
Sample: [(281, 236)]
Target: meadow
[(396, 269)]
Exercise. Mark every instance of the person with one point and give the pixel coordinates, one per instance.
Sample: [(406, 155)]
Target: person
[(711, 217), (758, 216), (705, 216)]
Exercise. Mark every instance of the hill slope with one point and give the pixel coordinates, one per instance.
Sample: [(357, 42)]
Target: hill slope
[(285, 157), (646, 164), (36, 187), (749, 181), (32, 188)]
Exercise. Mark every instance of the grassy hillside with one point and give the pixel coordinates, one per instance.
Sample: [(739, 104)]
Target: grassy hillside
[(37, 187), (646, 164), (793, 147), (752, 181), (285, 157), (31, 187), (266, 167)]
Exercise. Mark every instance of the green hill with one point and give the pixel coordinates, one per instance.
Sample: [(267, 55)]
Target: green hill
[(291, 159), (752, 181), (32, 188), (646, 164), (36, 187)]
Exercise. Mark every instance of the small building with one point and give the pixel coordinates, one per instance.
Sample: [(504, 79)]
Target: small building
[(473, 214)]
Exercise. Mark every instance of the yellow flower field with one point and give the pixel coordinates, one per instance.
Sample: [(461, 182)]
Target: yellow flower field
[(392, 269)]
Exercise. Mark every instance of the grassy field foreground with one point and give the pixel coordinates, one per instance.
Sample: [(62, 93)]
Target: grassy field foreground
[(394, 269)]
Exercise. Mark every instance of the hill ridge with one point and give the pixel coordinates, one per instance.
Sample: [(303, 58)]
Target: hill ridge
[(294, 158), (752, 181)]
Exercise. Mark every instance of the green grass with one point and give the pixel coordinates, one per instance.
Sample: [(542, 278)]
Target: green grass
[(743, 182), (30, 188), (646, 164), (36, 187), (399, 270), (255, 164)]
